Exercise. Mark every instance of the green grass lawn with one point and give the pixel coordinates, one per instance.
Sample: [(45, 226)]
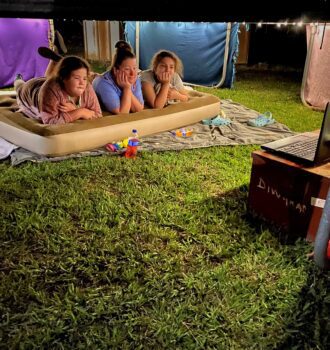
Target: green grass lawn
[(157, 252)]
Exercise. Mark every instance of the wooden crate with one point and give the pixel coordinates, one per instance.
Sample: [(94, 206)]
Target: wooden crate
[(287, 194)]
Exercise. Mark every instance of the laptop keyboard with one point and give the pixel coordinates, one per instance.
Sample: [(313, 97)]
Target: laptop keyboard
[(305, 148)]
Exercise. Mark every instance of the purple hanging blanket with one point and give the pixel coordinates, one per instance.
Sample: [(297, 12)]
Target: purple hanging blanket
[(19, 42)]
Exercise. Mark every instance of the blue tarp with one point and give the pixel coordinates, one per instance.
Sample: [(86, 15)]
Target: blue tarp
[(201, 47)]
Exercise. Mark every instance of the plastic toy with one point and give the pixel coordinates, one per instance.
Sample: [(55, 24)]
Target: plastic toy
[(117, 146), (182, 132)]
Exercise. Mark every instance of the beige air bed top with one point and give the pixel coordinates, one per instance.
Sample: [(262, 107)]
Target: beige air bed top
[(83, 135)]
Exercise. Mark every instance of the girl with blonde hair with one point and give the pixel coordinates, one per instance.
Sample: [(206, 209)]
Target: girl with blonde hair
[(162, 83)]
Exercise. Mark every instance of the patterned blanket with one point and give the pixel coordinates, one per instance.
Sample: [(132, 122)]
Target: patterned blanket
[(238, 132)]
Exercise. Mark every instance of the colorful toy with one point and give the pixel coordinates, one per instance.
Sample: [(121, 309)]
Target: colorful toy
[(111, 147), (128, 145), (182, 132), (117, 146)]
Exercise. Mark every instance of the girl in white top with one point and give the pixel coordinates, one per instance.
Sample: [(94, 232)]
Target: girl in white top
[(162, 84)]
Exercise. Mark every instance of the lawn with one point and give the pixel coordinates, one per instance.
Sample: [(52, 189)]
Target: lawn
[(157, 252)]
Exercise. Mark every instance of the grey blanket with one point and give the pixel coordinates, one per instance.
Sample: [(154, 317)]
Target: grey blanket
[(238, 132)]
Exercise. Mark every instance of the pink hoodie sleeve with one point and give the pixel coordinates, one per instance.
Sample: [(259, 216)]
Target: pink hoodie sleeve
[(91, 101), (50, 97)]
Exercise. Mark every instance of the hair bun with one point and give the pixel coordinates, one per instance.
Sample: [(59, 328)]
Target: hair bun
[(123, 45)]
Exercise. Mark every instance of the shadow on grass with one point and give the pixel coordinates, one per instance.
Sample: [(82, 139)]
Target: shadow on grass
[(236, 201), (308, 326)]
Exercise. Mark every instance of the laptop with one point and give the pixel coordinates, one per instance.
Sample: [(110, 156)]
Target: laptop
[(307, 148)]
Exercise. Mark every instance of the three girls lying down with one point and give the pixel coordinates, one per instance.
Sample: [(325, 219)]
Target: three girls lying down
[(66, 95)]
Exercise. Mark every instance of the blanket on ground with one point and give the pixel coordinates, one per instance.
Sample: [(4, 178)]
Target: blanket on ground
[(238, 132)]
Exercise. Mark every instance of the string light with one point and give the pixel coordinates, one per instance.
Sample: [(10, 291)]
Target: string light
[(281, 23)]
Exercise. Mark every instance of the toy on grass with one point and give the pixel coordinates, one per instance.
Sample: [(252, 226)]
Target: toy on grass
[(117, 146), (128, 146)]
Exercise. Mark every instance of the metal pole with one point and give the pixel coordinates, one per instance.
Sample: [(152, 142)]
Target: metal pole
[(137, 43), (225, 62)]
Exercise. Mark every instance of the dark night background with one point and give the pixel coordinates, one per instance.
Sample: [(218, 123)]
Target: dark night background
[(285, 46)]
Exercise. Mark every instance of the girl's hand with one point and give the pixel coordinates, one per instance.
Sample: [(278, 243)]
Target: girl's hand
[(164, 77), (122, 80), (87, 113), (66, 107), (82, 113), (173, 94)]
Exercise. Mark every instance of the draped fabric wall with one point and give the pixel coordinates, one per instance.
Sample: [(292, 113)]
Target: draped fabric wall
[(317, 89), (200, 46), (19, 41)]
